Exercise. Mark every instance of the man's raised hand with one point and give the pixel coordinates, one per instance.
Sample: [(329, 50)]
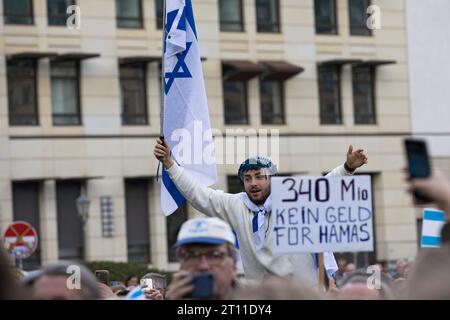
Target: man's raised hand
[(355, 159)]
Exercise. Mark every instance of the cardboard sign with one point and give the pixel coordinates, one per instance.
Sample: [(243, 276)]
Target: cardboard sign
[(319, 214)]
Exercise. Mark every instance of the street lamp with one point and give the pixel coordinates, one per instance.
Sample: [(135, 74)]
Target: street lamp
[(83, 204)]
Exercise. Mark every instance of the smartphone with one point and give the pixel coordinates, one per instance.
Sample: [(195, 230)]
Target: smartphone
[(159, 281), (203, 286), (418, 164), (102, 276), (147, 284)]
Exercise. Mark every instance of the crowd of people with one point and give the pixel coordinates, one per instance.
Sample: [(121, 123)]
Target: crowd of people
[(207, 251), (207, 254)]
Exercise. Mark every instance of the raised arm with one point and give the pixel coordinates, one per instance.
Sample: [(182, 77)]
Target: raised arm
[(355, 159), (211, 202)]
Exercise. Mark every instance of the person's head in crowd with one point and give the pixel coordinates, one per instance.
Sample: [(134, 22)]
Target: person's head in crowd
[(400, 268), (361, 285), (58, 281), (429, 276), (9, 287), (349, 269), (275, 288), (381, 265), (206, 249), (255, 174), (132, 281), (342, 263)]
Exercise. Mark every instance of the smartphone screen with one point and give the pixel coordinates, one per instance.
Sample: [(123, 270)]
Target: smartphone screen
[(159, 281), (203, 286), (417, 156), (418, 165), (102, 276), (147, 284)]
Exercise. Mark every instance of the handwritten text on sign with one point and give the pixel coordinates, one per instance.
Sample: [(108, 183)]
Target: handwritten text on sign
[(317, 214)]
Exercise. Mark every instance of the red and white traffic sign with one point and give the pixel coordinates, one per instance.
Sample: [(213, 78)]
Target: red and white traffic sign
[(20, 239)]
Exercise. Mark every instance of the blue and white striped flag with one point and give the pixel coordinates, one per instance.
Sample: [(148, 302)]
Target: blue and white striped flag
[(432, 223), (187, 129)]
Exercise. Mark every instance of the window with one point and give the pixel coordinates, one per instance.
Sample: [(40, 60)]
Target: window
[(364, 95), (129, 14), (159, 13), (358, 17), (272, 104), (26, 208), (329, 94), (70, 227), (235, 184), (235, 102), (173, 223), (134, 94), (136, 205), (268, 16), (65, 93), (18, 11), (57, 11), (325, 14), (22, 97), (231, 15)]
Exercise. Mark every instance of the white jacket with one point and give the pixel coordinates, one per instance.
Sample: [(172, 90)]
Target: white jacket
[(230, 207)]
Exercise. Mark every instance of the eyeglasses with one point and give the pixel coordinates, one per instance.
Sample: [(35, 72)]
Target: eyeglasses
[(195, 256)]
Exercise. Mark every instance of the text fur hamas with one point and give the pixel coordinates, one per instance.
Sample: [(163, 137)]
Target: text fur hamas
[(319, 214)]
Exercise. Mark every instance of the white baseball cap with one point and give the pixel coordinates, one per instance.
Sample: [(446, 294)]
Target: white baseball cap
[(205, 230)]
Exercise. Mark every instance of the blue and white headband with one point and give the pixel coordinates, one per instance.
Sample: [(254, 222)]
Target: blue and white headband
[(257, 163)]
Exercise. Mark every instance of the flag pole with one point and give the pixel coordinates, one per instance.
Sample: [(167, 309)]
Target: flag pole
[(163, 82), (321, 272)]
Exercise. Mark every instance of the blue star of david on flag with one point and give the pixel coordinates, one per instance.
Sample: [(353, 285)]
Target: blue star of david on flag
[(185, 105), (181, 64)]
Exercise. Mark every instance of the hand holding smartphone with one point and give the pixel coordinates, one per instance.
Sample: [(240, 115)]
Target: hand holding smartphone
[(102, 276), (146, 284), (203, 286), (418, 165)]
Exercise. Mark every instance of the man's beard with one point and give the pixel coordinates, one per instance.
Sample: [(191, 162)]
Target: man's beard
[(259, 200)]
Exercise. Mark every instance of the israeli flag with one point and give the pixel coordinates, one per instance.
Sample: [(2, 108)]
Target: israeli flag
[(432, 223), (329, 263), (187, 129)]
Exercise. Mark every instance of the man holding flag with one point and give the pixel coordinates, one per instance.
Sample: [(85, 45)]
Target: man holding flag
[(248, 213)]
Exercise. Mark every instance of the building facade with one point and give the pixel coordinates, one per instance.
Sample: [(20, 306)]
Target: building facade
[(80, 108)]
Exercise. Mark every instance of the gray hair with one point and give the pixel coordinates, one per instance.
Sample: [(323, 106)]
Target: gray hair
[(361, 276), (89, 288)]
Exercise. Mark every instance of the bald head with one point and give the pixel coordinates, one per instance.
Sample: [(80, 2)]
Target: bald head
[(358, 291)]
